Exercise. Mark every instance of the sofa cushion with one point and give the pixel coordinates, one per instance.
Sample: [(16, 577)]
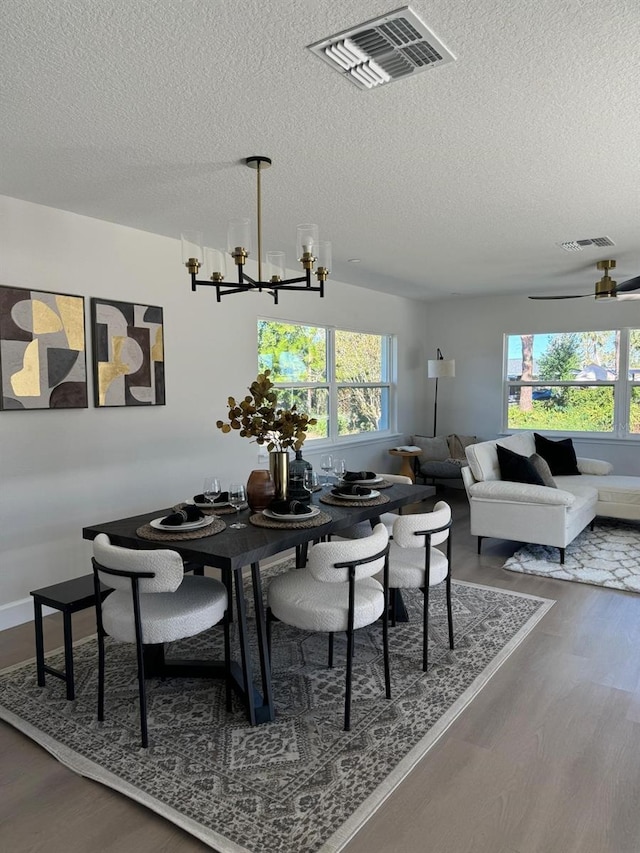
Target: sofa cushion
[(542, 467), (458, 444), (560, 455), (483, 457), (450, 468), (502, 490), (434, 449), (594, 466), (517, 468)]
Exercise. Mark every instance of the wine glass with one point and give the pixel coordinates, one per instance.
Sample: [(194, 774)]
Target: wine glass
[(237, 497), (326, 463), (310, 480), (339, 468), (211, 489)]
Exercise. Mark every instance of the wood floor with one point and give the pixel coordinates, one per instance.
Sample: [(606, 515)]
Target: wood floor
[(546, 759)]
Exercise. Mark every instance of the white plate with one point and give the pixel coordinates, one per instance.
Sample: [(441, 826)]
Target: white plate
[(373, 494), (186, 525), (373, 482), (315, 510), (215, 505)]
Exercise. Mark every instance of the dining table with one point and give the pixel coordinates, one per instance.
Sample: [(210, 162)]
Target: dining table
[(232, 551)]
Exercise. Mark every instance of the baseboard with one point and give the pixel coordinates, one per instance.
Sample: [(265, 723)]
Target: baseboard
[(18, 612)]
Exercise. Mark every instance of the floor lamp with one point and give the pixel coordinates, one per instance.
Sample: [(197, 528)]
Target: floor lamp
[(439, 368)]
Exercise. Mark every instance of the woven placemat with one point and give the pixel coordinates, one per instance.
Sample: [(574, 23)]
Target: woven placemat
[(334, 501), (260, 520), (385, 484), (219, 510), (149, 532)]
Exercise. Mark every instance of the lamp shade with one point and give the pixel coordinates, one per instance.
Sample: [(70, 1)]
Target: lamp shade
[(441, 368)]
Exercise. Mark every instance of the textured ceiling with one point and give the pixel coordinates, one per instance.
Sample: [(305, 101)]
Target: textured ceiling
[(460, 180)]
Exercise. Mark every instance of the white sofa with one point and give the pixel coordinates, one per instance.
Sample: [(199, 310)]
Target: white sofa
[(542, 514)]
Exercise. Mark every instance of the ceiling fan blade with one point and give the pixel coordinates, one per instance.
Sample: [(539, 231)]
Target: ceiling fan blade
[(573, 296), (628, 285)]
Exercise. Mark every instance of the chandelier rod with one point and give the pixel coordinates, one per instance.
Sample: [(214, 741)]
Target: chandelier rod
[(259, 217)]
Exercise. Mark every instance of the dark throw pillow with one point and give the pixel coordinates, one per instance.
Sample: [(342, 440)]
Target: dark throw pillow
[(517, 468), (542, 467), (560, 455)]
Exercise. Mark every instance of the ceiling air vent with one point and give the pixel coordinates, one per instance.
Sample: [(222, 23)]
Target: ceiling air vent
[(579, 245), (384, 49)]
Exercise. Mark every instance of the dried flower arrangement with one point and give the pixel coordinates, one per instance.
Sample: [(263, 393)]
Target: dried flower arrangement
[(258, 417)]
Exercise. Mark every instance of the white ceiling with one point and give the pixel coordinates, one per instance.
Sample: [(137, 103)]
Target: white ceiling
[(459, 180)]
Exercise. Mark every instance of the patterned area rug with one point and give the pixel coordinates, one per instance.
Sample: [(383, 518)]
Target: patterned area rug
[(299, 783), (608, 555)]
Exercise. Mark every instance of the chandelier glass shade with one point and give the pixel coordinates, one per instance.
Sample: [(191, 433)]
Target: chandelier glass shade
[(313, 254)]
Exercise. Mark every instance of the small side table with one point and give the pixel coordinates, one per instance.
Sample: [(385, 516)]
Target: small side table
[(406, 469)]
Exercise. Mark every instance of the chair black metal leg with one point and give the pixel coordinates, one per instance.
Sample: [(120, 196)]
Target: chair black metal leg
[(347, 692), (140, 655), (227, 661), (480, 538), (330, 662), (425, 628), (100, 675), (449, 610), (385, 640), (562, 550)]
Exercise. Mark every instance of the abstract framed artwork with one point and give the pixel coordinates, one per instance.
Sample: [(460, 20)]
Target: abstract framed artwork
[(42, 350), (128, 354)]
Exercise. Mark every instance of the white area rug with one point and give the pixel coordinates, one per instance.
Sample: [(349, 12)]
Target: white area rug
[(299, 784), (608, 555)]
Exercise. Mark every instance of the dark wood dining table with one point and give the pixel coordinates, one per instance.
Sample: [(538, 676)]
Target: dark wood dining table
[(231, 551)]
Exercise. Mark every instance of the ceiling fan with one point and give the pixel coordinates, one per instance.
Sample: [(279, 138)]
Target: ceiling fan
[(606, 288)]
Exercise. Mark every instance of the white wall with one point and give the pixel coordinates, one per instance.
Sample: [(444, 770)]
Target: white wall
[(472, 330), (64, 469)]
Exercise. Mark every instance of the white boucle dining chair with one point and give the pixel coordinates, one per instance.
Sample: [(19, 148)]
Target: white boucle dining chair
[(153, 602), (336, 591), (415, 562), (358, 531)]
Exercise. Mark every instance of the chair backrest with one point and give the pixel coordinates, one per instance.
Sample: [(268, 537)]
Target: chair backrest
[(406, 526), (397, 478), (324, 556), (166, 565)]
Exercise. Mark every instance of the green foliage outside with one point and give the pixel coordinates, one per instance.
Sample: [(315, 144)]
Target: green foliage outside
[(561, 359), (298, 354), (573, 408), (292, 353)]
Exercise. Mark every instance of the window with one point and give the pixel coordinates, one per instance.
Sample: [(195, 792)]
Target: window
[(574, 381), (341, 378)]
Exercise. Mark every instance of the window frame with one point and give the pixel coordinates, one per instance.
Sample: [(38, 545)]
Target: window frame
[(622, 387), (389, 343)]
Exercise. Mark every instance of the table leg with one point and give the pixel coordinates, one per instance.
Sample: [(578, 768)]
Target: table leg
[(245, 652), (261, 628)]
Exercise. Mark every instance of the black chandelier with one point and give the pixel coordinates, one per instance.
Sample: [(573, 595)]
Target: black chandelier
[(310, 251)]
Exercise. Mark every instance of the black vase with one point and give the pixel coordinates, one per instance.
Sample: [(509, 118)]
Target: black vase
[(297, 468)]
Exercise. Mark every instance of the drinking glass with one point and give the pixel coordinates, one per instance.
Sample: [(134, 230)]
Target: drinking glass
[(211, 489), (237, 497), (339, 468), (310, 480), (326, 463)]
